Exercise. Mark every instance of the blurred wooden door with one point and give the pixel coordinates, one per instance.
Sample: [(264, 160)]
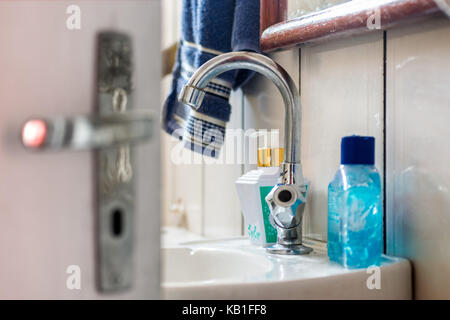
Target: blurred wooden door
[(47, 200)]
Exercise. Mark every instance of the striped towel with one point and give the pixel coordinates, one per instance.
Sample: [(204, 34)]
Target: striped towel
[(209, 28)]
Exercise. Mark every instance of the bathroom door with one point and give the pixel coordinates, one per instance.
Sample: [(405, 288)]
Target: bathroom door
[(48, 236)]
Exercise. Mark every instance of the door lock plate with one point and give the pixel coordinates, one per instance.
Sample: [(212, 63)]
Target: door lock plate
[(115, 176)]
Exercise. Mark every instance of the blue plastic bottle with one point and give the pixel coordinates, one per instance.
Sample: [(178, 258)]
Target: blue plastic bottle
[(355, 218)]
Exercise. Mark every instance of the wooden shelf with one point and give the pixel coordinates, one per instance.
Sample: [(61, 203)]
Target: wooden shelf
[(342, 20)]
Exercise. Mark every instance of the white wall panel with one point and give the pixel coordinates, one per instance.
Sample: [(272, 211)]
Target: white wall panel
[(418, 153), (342, 94), (222, 211)]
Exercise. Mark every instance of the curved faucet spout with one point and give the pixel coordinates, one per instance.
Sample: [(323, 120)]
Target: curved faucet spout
[(287, 199), (193, 92)]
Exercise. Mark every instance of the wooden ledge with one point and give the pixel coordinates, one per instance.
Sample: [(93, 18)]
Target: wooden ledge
[(354, 17)]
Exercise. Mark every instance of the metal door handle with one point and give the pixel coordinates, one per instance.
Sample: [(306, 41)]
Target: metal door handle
[(87, 132), (111, 131)]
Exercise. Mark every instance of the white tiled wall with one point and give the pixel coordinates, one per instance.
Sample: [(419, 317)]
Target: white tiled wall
[(171, 17), (222, 214), (418, 152), (342, 94)]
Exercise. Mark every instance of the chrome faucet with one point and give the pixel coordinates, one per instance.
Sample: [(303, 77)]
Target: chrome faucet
[(288, 198)]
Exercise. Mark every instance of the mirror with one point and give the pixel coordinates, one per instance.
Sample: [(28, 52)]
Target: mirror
[(275, 11), (298, 8)]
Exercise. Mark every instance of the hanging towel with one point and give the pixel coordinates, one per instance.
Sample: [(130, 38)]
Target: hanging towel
[(209, 28)]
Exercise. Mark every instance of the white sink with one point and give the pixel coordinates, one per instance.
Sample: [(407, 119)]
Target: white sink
[(236, 269), (190, 267)]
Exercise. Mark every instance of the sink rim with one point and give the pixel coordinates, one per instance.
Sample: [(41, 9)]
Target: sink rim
[(243, 246)]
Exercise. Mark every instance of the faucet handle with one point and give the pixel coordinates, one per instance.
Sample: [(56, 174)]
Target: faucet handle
[(288, 223), (287, 205)]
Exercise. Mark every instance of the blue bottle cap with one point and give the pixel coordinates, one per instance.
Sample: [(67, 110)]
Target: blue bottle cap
[(358, 150)]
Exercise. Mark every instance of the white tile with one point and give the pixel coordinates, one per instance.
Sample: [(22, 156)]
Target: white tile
[(222, 212), (189, 188), (341, 94), (171, 22), (418, 153)]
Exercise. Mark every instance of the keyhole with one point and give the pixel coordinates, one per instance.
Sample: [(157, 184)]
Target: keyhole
[(117, 222)]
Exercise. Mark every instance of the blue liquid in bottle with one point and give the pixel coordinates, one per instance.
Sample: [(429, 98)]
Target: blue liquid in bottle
[(355, 218)]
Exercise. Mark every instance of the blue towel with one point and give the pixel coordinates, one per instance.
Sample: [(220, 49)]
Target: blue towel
[(209, 28)]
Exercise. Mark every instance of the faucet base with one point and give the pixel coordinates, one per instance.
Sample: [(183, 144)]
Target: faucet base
[(297, 249)]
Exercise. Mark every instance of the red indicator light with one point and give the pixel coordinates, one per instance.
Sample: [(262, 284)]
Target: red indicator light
[(34, 133)]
